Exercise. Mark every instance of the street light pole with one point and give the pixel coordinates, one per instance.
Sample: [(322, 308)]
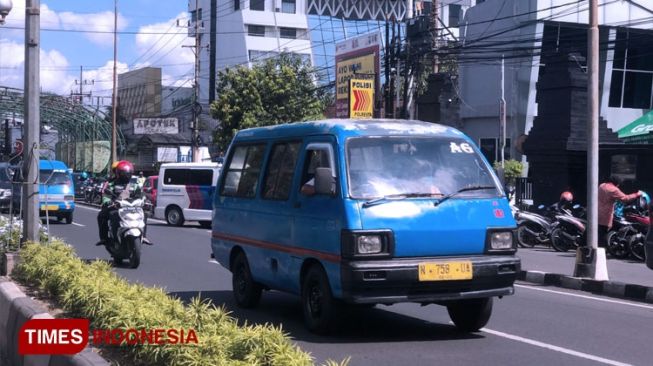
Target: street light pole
[(114, 101), (590, 260), (31, 154)]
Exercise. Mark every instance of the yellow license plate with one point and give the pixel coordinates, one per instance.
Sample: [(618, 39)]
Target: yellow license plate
[(49, 207), (445, 271)]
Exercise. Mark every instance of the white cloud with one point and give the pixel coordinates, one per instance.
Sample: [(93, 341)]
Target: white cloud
[(165, 50), (91, 22)]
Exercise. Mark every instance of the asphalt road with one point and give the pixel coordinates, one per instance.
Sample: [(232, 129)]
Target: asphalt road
[(536, 326)]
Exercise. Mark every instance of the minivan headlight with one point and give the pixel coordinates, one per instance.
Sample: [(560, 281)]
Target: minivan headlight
[(68, 198), (501, 240), (366, 243), (369, 244)]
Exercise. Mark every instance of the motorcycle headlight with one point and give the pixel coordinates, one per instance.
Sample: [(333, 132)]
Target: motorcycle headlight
[(500, 241)]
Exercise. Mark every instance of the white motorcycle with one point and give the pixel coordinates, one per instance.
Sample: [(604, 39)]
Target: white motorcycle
[(125, 241)]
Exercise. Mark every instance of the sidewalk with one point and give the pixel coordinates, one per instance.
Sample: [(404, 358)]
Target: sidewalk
[(628, 279)]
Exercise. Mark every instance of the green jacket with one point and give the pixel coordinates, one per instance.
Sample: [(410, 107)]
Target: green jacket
[(110, 186)]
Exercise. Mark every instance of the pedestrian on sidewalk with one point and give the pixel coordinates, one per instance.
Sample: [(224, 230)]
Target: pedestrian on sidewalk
[(609, 193)]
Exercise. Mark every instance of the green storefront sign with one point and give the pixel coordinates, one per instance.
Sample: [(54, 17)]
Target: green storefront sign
[(639, 131)]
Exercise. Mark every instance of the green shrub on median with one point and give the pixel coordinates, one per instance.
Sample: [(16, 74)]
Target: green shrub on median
[(94, 292)]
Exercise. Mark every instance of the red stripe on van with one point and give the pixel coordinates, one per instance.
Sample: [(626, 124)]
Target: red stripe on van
[(279, 247)]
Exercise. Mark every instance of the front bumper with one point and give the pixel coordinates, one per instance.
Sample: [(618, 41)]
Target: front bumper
[(396, 280)]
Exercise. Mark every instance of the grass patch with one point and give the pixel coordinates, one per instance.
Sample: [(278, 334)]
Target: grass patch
[(95, 292)]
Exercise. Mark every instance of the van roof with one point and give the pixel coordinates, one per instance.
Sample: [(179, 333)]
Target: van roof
[(52, 165), (190, 165), (349, 128)]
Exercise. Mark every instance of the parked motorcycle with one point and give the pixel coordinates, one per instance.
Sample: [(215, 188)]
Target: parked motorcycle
[(534, 228), (125, 241), (641, 222), (619, 237), (569, 229)]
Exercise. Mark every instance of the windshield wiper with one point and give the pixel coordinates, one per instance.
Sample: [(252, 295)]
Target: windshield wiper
[(466, 189), (398, 196)]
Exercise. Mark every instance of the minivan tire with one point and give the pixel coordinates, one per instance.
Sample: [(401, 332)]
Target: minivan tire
[(247, 293), (174, 216), (470, 315), (69, 218), (321, 310)]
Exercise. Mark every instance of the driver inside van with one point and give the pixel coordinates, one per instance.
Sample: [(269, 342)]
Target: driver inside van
[(317, 159)]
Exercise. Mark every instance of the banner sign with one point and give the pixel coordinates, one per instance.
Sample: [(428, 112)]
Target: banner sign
[(356, 58), (361, 100), (148, 126)]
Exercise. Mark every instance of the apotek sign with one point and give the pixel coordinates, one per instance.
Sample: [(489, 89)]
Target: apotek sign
[(361, 100), (148, 126)]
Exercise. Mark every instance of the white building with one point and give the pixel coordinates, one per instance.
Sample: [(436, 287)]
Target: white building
[(526, 32), (242, 32)]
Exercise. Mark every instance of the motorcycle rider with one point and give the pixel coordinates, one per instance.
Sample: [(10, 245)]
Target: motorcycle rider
[(609, 194), (565, 202), (115, 186)]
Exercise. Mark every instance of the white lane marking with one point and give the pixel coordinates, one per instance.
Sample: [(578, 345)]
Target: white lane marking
[(587, 297), (97, 209), (554, 348), (87, 207), (80, 225), (156, 220), (213, 261)]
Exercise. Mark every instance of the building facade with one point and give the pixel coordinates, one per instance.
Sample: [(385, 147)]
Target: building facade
[(528, 34), (242, 32), (139, 93)]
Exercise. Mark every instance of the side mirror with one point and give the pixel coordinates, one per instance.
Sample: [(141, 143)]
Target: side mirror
[(325, 183)]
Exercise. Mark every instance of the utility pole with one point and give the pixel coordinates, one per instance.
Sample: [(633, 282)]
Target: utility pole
[(81, 82), (31, 150), (114, 99), (502, 114), (386, 91), (196, 87), (590, 260), (434, 40)]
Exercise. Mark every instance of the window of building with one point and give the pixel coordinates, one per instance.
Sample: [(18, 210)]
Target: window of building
[(491, 147), (236, 4), (242, 174), (290, 33), (258, 56), (256, 30), (257, 5), (632, 71), (288, 6), (281, 170), (624, 166), (454, 15)]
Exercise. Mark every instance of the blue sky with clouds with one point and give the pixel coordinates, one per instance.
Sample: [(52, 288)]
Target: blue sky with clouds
[(77, 33)]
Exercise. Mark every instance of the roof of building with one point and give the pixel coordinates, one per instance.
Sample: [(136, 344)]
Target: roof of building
[(351, 127)]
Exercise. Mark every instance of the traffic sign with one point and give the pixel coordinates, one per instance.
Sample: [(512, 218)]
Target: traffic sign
[(361, 98)]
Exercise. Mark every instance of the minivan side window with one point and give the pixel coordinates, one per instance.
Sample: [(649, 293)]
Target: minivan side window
[(200, 177), (242, 174), (317, 156), (175, 177), (280, 171)]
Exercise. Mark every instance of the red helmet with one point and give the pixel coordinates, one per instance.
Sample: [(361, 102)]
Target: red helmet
[(124, 171), (566, 196)]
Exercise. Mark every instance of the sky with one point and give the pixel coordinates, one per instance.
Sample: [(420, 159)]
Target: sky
[(78, 34)]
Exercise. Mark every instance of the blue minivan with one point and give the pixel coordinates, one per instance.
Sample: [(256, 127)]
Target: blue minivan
[(345, 212), (56, 190)]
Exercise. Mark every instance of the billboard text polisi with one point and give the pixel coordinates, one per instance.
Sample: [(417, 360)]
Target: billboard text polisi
[(355, 57)]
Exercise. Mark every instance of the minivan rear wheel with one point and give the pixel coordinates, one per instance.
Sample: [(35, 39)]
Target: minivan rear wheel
[(321, 309), (470, 315), (174, 216), (246, 292)]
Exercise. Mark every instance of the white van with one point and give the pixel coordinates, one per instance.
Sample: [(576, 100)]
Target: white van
[(185, 192)]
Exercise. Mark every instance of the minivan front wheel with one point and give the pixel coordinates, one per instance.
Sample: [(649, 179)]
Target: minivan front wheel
[(470, 315), (174, 216), (246, 292), (321, 309)]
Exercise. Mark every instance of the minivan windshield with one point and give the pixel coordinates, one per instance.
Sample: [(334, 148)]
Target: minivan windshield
[(54, 178), (416, 166)]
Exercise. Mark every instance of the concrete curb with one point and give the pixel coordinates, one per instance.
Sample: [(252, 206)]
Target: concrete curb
[(620, 290), (15, 309)]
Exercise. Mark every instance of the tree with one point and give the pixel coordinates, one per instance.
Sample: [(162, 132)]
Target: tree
[(278, 90), (513, 169)]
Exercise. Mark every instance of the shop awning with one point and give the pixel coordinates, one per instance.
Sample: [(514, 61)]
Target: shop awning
[(640, 130)]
